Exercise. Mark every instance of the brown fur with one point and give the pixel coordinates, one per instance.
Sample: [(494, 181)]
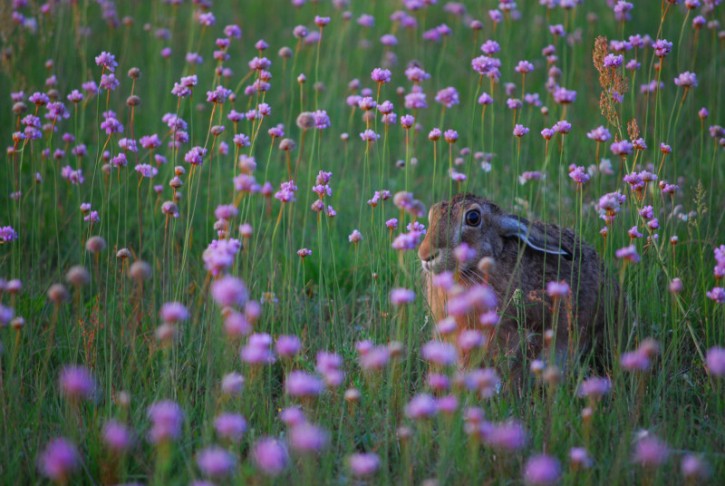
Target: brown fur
[(518, 266)]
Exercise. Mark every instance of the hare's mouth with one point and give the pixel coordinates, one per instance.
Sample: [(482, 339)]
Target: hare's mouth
[(432, 263)]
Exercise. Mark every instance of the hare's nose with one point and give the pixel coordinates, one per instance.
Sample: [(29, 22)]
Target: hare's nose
[(432, 256)]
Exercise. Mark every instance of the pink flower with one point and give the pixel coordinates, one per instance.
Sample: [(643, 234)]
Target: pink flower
[(287, 346), (363, 464), (355, 237), (650, 452), (715, 361), (520, 130), (558, 289), (579, 175), (229, 291), (717, 294), (439, 353), (76, 383), (628, 253), (524, 67), (173, 312), (216, 462), (448, 97), (308, 438), (595, 387), (270, 456), (401, 296), (302, 384), (422, 406), (508, 436), (117, 436), (59, 459), (232, 384), (166, 419), (542, 470), (381, 75), (230, 426)]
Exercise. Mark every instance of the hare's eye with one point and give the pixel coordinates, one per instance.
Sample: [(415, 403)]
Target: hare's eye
[(473, 217)]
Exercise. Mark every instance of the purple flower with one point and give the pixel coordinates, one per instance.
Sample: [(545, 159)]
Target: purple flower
[(206, 19), (416, 99), (613, 60), (117, 436), (490, 47), (558, 289), (509, 436), (450, 136), (635, 361), (219, 95), (628, 253), (166, 419), (686, 80), (7, 234), (308, 438), (287, 346), (232, 384), (355, 237), (717, 294), (286, 192), (375, 358), (76, 383), (416, 74), (292, 416), (579, 175), (230, 426), (595, 387), (381, 75), (448, 97), (542, 470), (484, 381), (487, 66), (302, 384), (579, 458), (58, 460), (564, 96), (562, 126), (173, 312), (146, 170), (270, 456), (439, 353), (407, 121), (195, 156), (229, 291), (109, 82), (322, 120), (369, 136), (485, 99), (215, 462), (363, 464), (401, 296), (514, 103), (520, 130), (524, 67), (622, 148), (662, 47), (422, 406), (107, 61), (650, 452), (258, 350), (693, 468)]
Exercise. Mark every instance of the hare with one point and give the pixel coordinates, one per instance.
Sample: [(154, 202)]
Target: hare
[(512, 253)]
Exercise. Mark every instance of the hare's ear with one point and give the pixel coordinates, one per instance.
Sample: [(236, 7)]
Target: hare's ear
[(514, 227)]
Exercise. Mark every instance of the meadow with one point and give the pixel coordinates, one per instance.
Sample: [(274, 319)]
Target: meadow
[(209, 221)]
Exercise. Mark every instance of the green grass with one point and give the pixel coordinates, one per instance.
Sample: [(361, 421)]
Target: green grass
[(339, 295)]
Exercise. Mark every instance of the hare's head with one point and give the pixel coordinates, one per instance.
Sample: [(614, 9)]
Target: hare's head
[(482, 226)]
